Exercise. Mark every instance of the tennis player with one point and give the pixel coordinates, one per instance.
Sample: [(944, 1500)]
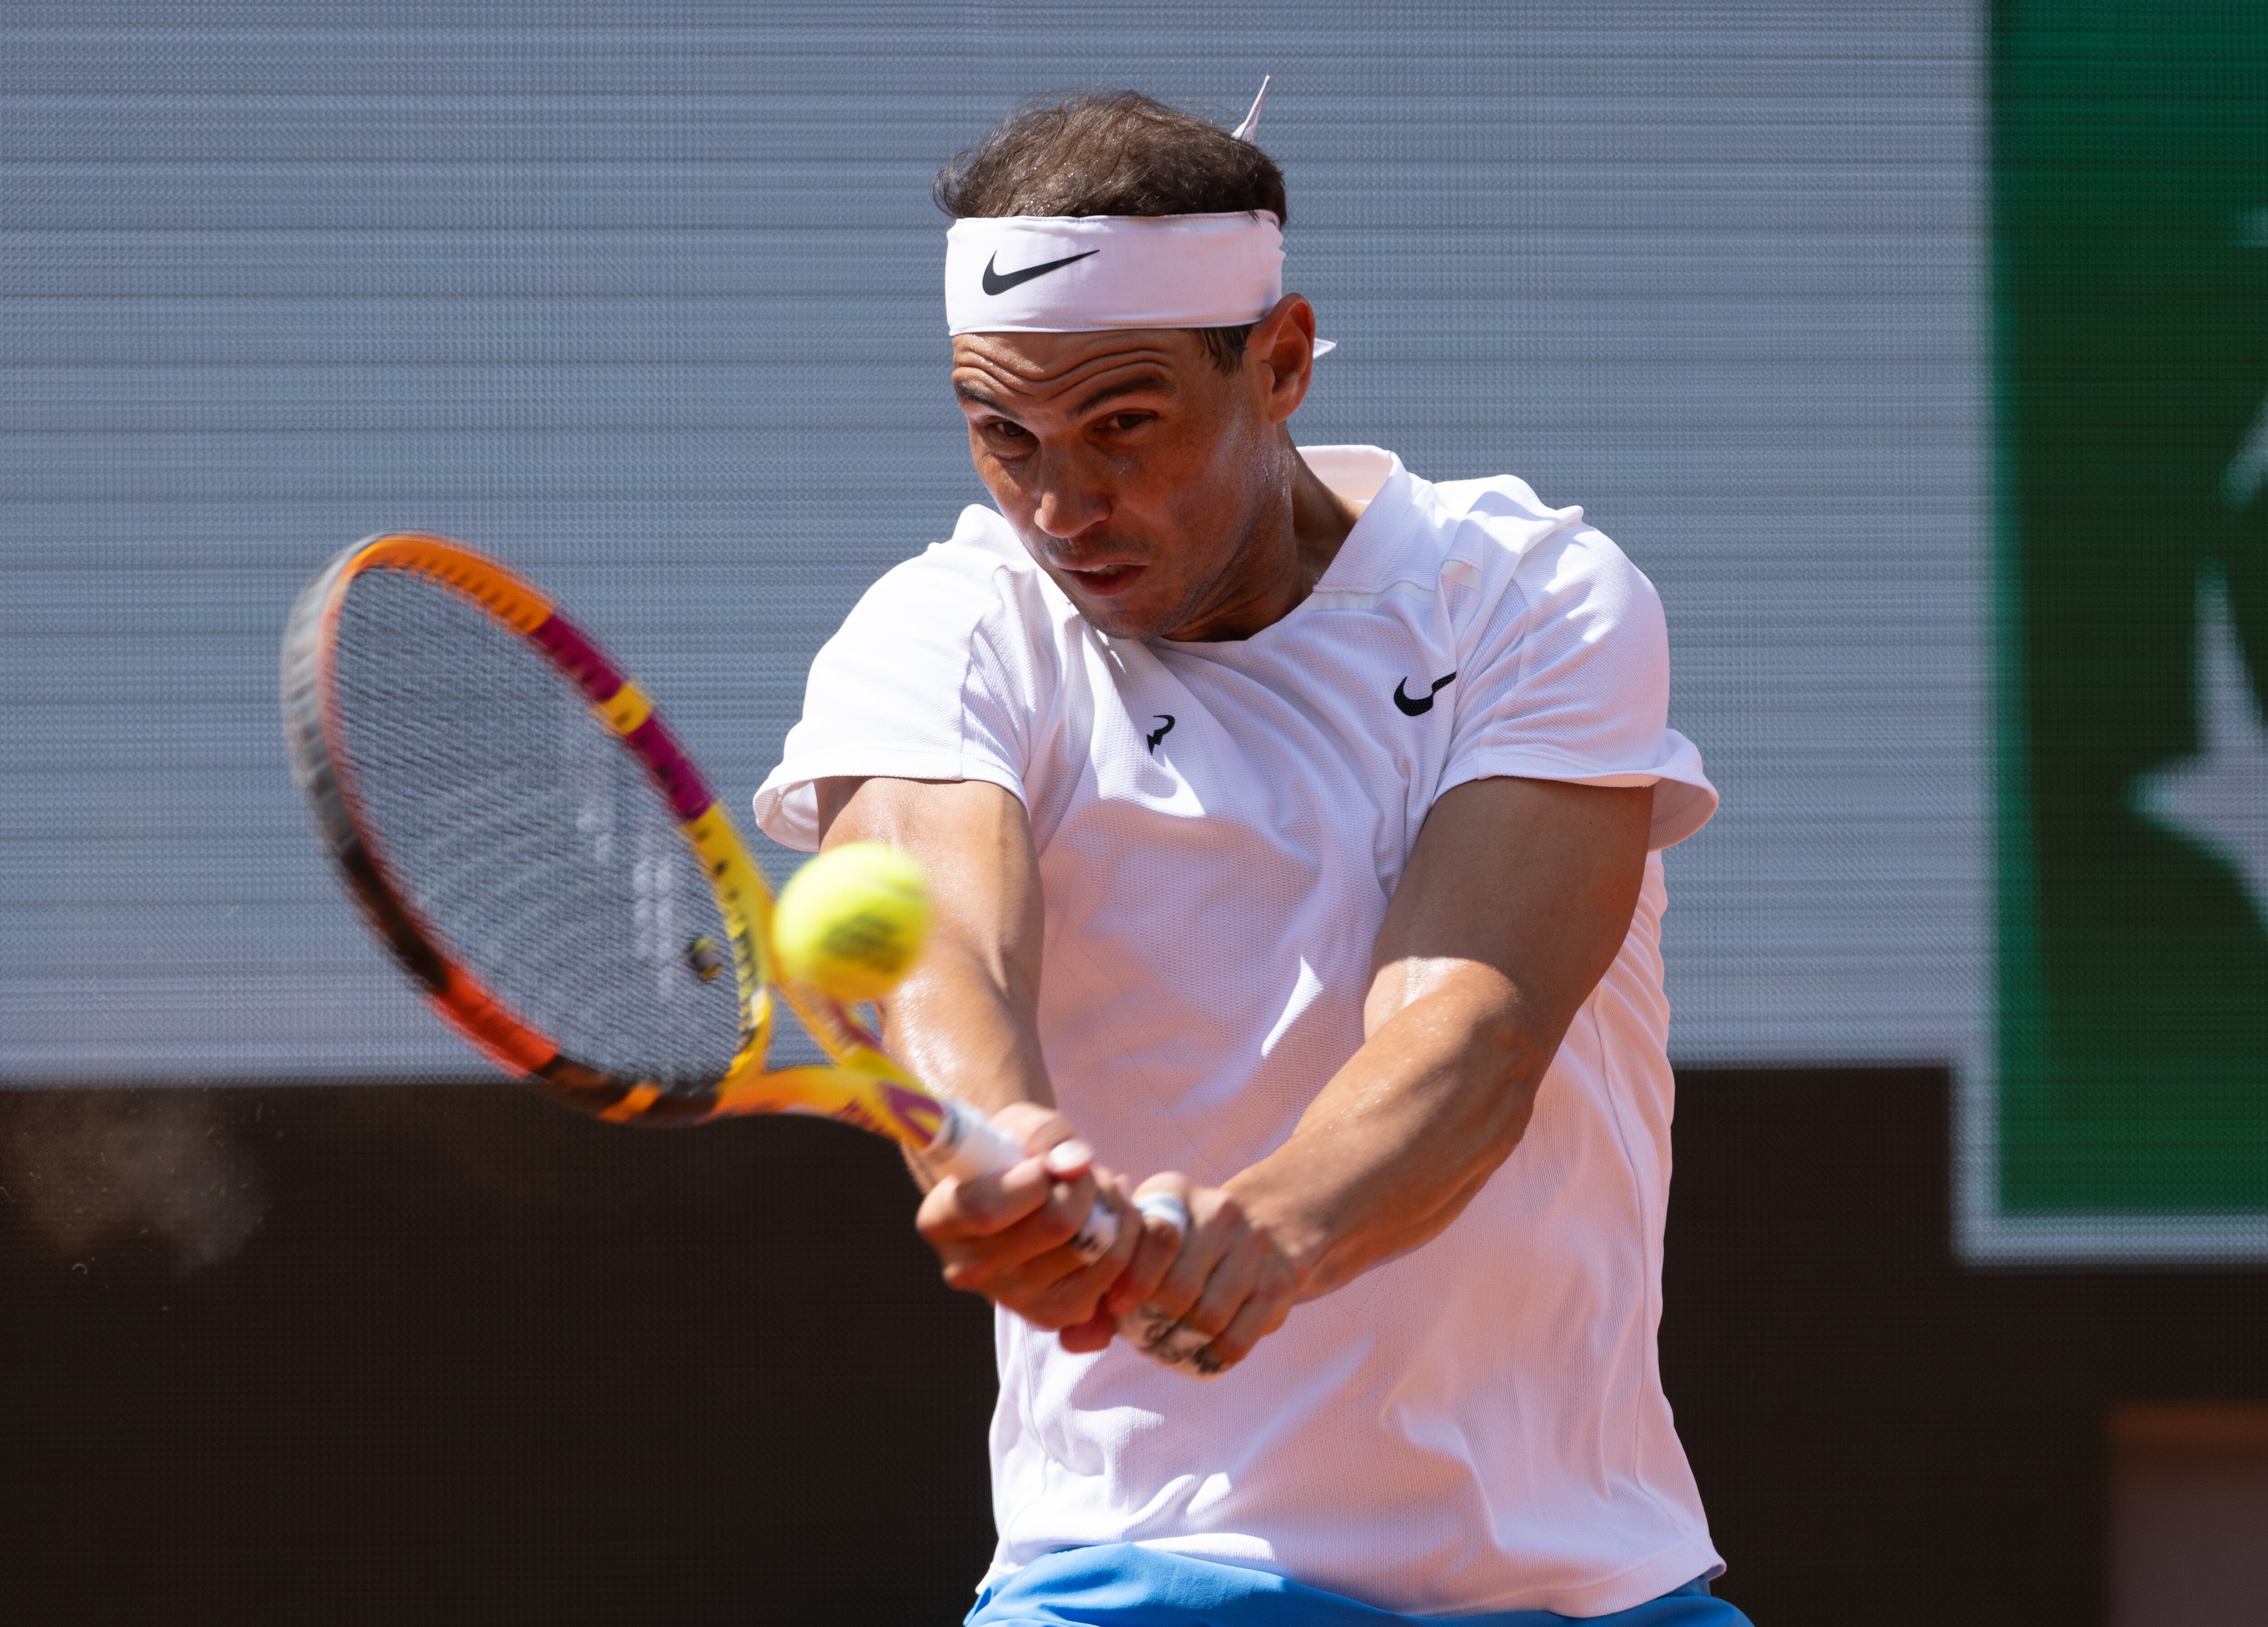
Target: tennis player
[(1294, 826)]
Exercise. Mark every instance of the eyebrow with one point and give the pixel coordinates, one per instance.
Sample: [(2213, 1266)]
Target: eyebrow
[(1141, 384)]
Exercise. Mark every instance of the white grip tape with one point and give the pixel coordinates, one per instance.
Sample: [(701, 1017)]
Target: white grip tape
[(1168, 1207), (968, 1145)]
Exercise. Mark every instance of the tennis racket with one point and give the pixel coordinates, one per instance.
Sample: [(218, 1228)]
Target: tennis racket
[(524, 832)]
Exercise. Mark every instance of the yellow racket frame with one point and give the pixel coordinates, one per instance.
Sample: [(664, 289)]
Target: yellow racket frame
[(863, 1087)]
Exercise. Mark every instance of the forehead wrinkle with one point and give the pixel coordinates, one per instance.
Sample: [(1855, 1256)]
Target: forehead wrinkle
[(1140, 376), (1036, 380)]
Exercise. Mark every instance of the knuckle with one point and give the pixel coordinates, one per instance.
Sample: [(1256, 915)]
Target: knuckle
[(962, 1216), (1143, 1278), (967, 1270), (1171, 1299), (1053, 1311), (1162, 1310), (1144, 1328), (1208, 1319)]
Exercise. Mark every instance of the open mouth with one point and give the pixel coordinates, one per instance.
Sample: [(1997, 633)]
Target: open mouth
[(1108, 581)]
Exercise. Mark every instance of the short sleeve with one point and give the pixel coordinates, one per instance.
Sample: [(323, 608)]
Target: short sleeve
[(931, 677), (1567, 677)]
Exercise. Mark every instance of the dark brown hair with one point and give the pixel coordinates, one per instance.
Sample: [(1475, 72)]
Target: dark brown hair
[(1118, 152)]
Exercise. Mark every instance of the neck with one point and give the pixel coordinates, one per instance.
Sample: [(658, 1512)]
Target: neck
[(1292, 543)]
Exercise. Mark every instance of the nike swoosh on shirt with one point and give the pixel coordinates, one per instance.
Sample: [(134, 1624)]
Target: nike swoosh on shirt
[(1423, 704), (996, 283), (1161, 732)]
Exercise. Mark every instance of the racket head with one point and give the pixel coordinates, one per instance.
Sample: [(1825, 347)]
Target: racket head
[(435, 700)]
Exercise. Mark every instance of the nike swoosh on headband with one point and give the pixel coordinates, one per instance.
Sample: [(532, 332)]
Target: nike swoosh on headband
[(996, 283)]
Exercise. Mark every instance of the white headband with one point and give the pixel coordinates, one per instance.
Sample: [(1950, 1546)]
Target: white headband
[(1039, 273), (1047, 274)]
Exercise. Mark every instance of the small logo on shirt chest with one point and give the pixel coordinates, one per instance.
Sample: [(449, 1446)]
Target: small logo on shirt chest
[(1418, 706), (1167, 727)]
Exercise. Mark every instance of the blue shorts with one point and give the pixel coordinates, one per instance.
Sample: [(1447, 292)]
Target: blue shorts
[(1123, 1586)]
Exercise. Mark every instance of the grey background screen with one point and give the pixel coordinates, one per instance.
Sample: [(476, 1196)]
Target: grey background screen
[(646, 299)]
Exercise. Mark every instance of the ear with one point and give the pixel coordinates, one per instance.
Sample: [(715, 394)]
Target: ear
[(1280, 354)]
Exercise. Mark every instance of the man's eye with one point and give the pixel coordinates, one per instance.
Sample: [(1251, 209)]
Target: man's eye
[(999, 429), (1129, 420)]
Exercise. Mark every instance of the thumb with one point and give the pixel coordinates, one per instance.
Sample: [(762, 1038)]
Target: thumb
[(1046, 1134)]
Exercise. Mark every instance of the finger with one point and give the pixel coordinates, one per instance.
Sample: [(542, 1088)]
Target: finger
[(1045, 1133), (1126, 1241), (1069, 1160), (1051, 1294), (1071, 1200), (1027, 1257), (983, 1206), (1263, 1312), (1209, 1241), (1083, 1338), (1077, 1296), (1044, 1291), (1163, 1221), (1226, 1291), (1108, 1229)]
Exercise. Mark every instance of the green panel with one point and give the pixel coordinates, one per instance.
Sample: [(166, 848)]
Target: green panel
[(2130, 220)]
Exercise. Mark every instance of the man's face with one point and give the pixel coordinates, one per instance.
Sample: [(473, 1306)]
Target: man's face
[(1133, 468)]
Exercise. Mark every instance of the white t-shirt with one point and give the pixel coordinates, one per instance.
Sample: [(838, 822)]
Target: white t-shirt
[(1479, 1425)]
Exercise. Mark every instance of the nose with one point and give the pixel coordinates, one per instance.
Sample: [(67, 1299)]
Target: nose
[(1068, 503)]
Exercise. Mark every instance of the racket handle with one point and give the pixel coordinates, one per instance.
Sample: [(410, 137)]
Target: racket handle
[(968, 1145)]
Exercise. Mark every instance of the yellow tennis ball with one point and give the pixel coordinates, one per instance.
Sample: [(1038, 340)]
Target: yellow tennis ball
[(853, 921)]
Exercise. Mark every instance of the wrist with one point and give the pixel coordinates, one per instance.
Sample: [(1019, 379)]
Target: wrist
[(1299, 1220)]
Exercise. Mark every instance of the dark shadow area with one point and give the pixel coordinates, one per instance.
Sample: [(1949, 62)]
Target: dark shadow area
[(1882, 1435), (453, 1355), (483, 1361)]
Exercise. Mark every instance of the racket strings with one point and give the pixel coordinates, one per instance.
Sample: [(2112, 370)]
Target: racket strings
[(527, 837)]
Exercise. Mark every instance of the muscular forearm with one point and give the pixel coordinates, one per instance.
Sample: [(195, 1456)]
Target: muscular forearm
[(964, 1021), (1516, 902), (959, 1025), (1405, 1134)]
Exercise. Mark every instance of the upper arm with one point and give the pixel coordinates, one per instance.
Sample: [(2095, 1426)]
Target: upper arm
[(1565, 677), (1520, 891), (973, 844)]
